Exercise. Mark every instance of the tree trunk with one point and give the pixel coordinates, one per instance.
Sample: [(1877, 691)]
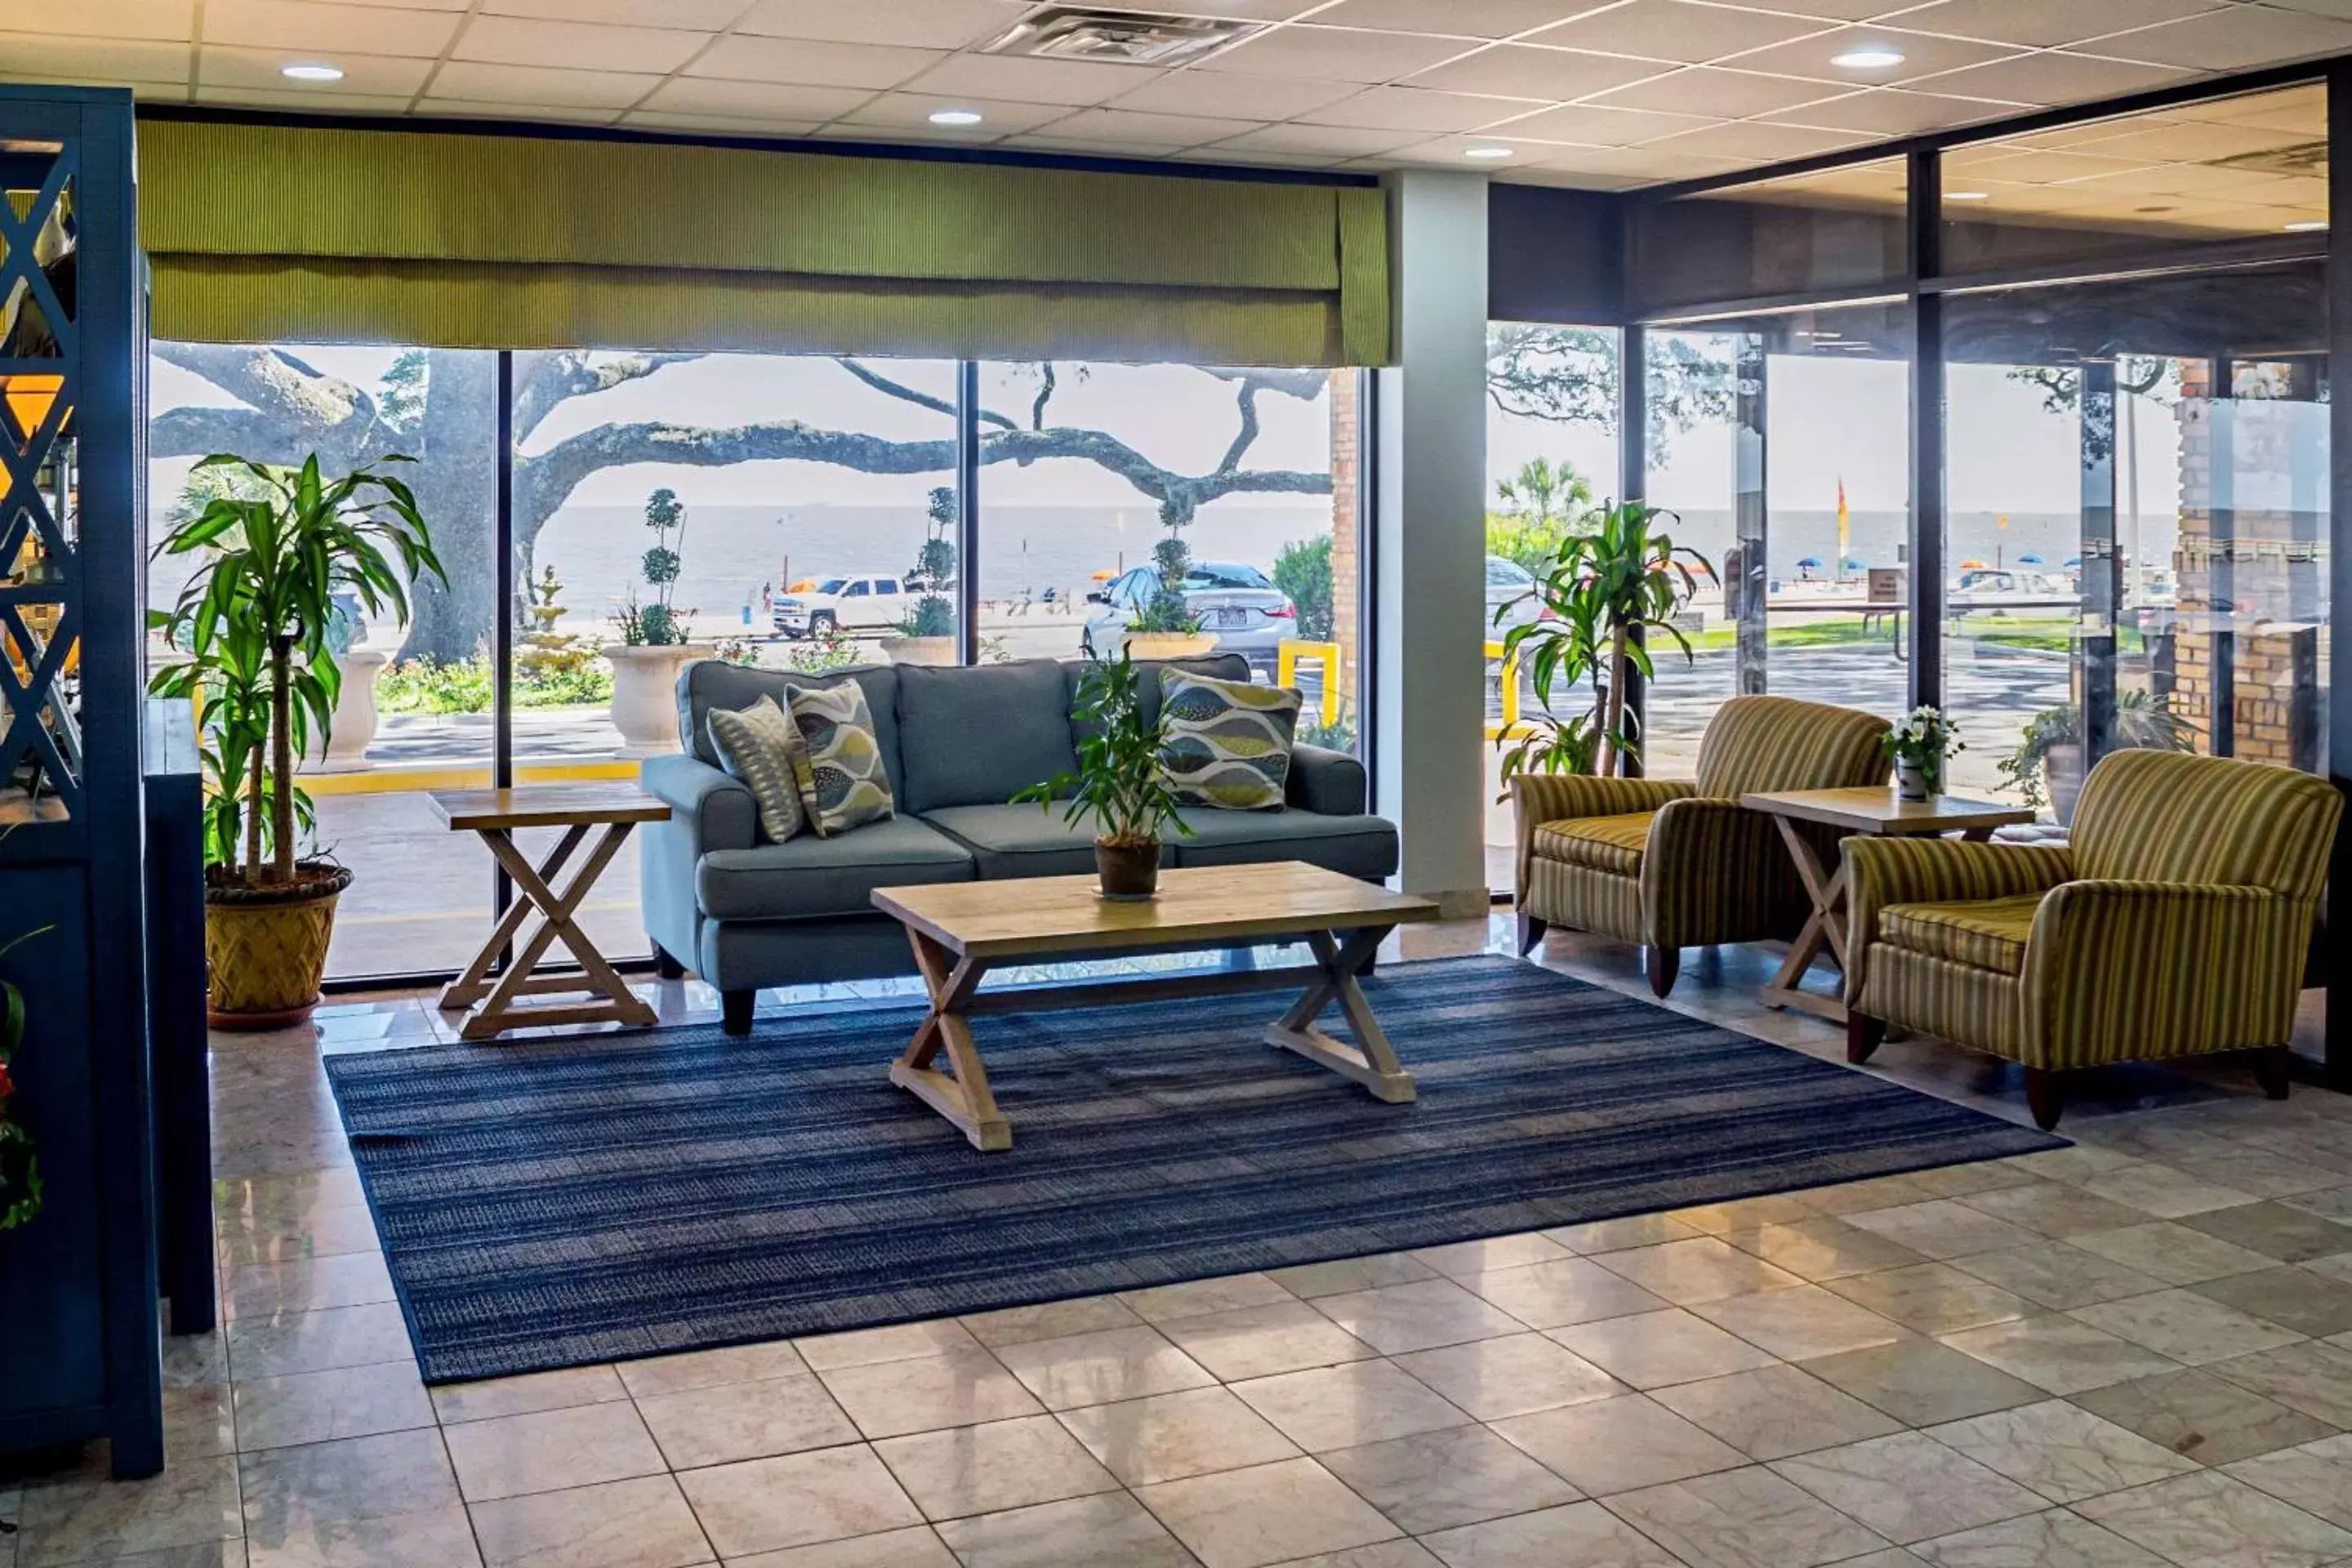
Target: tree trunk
[(457, 484), (282, 757), (254, 775), (1612, 713)]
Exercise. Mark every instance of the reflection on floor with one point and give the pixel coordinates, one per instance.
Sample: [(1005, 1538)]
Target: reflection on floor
[(2135, 1351)]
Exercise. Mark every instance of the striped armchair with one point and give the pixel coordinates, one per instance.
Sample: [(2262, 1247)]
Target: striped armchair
[(2174, 923), (1672, 864)]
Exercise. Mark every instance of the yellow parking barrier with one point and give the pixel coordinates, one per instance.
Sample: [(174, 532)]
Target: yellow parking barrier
[(1510, 726), (396, 779), (1287, 655)]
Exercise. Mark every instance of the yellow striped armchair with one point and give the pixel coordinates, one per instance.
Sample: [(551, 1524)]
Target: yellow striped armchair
[(2174, 923), (1672, 863)]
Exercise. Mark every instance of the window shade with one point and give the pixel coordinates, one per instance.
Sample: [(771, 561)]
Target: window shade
[(299, 234)]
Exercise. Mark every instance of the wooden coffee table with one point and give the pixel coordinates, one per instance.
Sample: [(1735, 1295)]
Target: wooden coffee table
[(497, 1001), (961, 931), (1880, 811)]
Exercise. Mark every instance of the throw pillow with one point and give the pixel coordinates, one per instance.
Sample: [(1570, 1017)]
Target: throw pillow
[(1227, 743), (838, 761), (756, 744)]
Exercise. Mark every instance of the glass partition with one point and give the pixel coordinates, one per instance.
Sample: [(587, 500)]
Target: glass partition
[(1837, 228)]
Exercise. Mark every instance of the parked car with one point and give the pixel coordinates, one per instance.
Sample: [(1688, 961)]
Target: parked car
[(1237, 603), (1510, 596), (1996, 590), (844, 604)]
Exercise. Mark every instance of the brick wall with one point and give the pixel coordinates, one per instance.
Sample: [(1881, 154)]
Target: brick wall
[(1346, 532)]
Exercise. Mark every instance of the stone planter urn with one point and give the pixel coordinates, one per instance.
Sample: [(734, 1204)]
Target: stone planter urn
[(355, 715), (1169, 644), (645, 693), (919, 651)]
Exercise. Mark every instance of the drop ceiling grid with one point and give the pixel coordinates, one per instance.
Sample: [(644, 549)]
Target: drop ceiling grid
[(1426, 80)]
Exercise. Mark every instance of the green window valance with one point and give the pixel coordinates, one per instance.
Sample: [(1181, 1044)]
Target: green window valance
[(302, 234)]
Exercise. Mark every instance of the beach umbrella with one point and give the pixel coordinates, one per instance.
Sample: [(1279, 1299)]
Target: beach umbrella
[(1102, 576), (1811, 562), (2073, 561), (1973, 566), (2028, 559), (1855, 563)]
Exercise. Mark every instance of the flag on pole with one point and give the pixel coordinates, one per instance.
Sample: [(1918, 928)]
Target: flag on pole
[(1843, 520)]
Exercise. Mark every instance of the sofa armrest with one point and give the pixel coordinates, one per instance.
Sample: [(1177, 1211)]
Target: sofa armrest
[(2116, 970), (1882, 871), (717, 810), (1538, 798), (1326, 782)]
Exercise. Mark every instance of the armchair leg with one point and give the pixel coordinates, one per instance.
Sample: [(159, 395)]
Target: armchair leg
[(1531, 932), (1664, 964), (666, 967), (2270, 1070), (736, 1011), (1863, 1036), (2045, 1096)]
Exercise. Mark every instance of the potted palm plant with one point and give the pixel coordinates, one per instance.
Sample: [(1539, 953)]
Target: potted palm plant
[(1602, 595), (1119, 782), (255, 627)]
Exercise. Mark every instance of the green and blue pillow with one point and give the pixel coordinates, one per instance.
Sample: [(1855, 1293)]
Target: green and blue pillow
[(1227, 743)]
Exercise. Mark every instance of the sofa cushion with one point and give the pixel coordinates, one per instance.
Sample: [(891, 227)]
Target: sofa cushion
[(811, 876), (756, 746), (714, 683), (1614, 844), (1362, 847), (1021, 840), (972, 737), (1984, 933), (837, 763), (1228, 741)]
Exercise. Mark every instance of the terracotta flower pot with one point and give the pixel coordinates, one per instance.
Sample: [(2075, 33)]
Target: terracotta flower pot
[(919, 651), (1128, 870), (645, 693), (1169, 644), (266, 945)]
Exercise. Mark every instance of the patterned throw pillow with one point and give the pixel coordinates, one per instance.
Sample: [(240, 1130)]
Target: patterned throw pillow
[(1228, 741), (756, 744), (838, 761)]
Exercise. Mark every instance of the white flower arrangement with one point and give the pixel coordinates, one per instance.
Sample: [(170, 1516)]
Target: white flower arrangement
[(1923, 739)]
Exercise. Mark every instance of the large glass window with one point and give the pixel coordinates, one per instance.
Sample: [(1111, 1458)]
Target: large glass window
[(2139, 482), (1781, 444), (1097, 477), (1833, 229)]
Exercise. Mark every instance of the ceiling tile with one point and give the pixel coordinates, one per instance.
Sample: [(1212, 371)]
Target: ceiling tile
[(1892, 111), (1639, 162), (2054, 77), (2342, 9), (2199, 143), (755, 100), (1712, 90), (1591, 126), (303, 102), (149, 19), (819, 64), (716, 124), (2042, 24), (1223, 95), (1524, 70), (1678, 30), (1078, 83), (2031, 166), (1239, 10), (28, 57), (1416, 109), (484, 83), (1328, 141), (1130, 129), (298, 28), (923, 24), (1476, 19), (1333, 54), (1923, 55), (576, 46), (2183, 180), (563, 113), (218, 66), (2224, 40), (417, 4), (1761, 143), (912, 111), (709, 16)]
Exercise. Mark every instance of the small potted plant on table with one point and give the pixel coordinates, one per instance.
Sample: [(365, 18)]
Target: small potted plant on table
[(256, 624), (1119, 782), (1919, 745)]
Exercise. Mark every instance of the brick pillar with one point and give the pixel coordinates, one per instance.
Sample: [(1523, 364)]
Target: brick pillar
[(2192, 555), (1346, 531)]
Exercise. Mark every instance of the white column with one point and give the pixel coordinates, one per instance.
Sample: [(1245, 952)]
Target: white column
[(1429, 538)]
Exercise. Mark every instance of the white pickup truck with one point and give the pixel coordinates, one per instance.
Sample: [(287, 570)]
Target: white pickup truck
[(844, 604)]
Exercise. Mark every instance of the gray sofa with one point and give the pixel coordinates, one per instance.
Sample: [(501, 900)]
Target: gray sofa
[(746, 913)]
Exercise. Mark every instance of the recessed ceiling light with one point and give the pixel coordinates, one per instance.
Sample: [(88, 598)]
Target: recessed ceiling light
[(955, 117), (1876, 57), (2307, 226), (1964, 196), (311, 71), (1488, 153)]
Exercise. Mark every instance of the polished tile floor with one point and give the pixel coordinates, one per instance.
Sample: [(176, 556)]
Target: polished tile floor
[(2135, 1351)]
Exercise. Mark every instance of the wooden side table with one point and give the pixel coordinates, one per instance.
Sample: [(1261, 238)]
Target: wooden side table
[(1878, 811), (497, 1005)]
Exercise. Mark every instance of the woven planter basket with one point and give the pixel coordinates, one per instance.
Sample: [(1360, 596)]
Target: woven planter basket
[(267, 947)]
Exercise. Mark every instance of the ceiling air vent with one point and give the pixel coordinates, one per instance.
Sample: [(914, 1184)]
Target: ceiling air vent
[(1123, 37)]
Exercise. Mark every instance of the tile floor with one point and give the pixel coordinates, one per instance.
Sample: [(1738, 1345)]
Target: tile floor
[(2135, 1351)]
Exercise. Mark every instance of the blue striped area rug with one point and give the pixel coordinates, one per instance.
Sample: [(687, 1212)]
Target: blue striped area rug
[(554, 1202)]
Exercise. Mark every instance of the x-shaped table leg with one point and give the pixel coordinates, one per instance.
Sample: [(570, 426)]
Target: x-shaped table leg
[(1372, 1062), (964, 1097), (495, 1002)]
